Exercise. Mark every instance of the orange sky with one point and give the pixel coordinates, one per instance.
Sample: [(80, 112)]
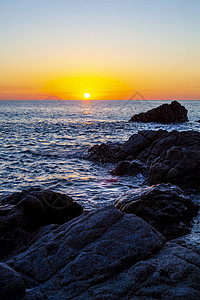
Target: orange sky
[(109, 49)]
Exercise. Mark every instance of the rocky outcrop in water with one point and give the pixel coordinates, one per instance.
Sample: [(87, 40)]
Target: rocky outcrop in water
[(172, 157), (23, 214), (165, 113), (164, 206)]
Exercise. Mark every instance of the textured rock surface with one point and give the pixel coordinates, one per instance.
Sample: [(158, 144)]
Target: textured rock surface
[(85, 252), (164, 206), (177, 165), (11, 283), (165, 113), (174, 273), (169, 156), (22, 214), (106, 254)]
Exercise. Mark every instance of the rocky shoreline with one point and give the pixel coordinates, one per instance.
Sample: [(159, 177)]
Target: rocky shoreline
[(107, 253), (50, 248), (165, 157)]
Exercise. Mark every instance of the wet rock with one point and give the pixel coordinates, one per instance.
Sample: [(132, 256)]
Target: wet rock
[(130, 168), (12, 286), (121, 168), (169, 156), (104, 152), (177, 165), (165, 113), (164, 206), (106, 254), (22, 214)]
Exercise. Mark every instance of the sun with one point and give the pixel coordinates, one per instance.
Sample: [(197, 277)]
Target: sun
[(87, 95)]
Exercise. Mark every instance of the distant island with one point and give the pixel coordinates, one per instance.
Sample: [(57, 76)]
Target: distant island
[(52, 97)]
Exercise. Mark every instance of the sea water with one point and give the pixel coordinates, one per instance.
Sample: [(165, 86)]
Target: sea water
[(44, 144)]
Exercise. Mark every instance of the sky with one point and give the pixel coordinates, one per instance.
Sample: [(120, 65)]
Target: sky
[(110, 48)]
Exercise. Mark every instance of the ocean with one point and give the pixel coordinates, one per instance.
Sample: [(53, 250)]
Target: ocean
[(44, 144)]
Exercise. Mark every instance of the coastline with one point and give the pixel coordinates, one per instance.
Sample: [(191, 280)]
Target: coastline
[(139, 250)]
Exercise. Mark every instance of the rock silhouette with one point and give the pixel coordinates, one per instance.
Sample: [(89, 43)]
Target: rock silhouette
[(165, 113)]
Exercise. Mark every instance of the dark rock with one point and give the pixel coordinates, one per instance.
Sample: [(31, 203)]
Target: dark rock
[(131, 168), (137, 167), (177, 165), (106, 254), (121, 168), (165, 113), (141, 145), (164, 206), (104, 152), (84, 253), (169, 156), (12, 286), (22, 214), (174, 273)]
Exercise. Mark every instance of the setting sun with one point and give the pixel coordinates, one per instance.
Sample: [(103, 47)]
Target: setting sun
[(87, 95)]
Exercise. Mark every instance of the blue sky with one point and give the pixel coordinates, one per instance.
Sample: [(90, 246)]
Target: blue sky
[(137, 39)]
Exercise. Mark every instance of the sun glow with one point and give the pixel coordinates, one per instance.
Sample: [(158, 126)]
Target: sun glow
[(87, 95), (86, 88)]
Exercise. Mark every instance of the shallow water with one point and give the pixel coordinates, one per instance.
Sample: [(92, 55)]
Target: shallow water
[(43, 143)]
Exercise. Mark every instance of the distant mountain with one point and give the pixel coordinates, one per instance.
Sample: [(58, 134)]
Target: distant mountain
[(52, 97)]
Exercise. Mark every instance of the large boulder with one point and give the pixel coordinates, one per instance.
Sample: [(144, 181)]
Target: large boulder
[(166, 156), (164, 206), (85, 252), (177, 165), (22, 214), (165, 113), (107, 254)]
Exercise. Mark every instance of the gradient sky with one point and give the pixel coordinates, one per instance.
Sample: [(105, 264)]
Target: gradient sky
[(109, 48)]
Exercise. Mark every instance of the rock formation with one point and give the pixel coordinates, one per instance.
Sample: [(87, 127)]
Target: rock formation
[(172, 157), (22, 215), (103, 254), (164, 206), (165, 113)]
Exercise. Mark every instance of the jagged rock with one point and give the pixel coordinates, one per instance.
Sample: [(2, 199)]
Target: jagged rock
[(174, 273), (85, 252), (165, 113), (169, 156), (177, 165), (164, 206), (12, 286), (22, 214), (106, 254)]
